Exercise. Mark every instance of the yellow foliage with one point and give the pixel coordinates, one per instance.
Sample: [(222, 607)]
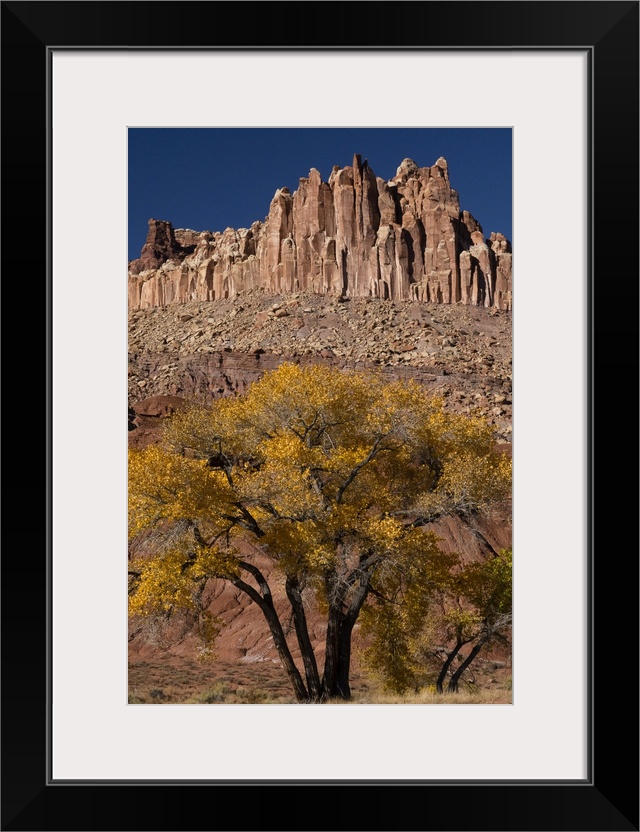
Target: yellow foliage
[(169, 487)]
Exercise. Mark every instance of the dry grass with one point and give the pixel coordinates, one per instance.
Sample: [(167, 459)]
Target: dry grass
[(497, 696), (157, 684)]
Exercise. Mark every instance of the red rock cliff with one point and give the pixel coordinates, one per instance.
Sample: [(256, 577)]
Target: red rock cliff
[(356, 235)]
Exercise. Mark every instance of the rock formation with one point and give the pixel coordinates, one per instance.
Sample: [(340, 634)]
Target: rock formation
[(163, 245), (354, 236)]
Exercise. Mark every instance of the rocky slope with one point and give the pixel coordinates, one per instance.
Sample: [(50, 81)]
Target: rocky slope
[(355, 236), (202, 350)]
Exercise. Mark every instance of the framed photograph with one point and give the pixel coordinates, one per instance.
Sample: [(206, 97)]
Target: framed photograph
[(563, 78)]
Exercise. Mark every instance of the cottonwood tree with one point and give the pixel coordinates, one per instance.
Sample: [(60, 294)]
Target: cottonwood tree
[(419, 630), (334, 476)]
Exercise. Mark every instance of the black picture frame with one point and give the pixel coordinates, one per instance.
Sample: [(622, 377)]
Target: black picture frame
[(608, 798)]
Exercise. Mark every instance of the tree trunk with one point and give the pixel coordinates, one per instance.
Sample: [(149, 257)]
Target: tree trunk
[(447, 664), (332, 650), (453, 683), (342, 688), (265, 601), (300, 621), (347, 624), (337, 665)]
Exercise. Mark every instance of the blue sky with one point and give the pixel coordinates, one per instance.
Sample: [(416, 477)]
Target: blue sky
[(211, 178)]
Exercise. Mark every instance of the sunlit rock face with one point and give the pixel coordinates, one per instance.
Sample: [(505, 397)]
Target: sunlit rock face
[(356, 235)]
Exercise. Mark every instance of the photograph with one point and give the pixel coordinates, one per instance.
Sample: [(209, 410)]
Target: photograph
[(320, 415)]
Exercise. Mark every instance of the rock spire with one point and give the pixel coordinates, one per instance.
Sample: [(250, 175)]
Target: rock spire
[(356, 235)]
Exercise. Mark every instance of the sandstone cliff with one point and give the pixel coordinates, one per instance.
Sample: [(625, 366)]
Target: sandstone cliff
[(356, 235)]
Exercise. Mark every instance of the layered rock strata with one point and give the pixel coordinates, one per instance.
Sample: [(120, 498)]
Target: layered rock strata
[(356, 235)]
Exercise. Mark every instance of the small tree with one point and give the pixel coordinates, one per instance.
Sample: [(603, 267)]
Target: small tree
[(333, 476), (486, 588), (469, 605)]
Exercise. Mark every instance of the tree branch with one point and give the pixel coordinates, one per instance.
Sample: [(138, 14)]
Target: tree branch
[(375, 450), (260, 579)]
